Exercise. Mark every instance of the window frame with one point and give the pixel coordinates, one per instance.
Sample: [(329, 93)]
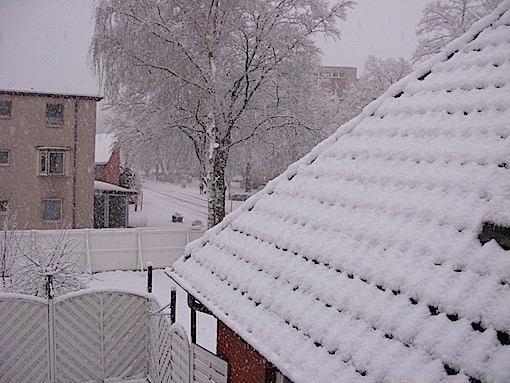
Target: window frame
[(42, 210), (8, 103), (8, 157), (45, 164), (52, 120), (4, 206)]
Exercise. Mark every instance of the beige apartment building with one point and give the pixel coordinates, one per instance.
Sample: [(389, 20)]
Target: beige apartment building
[(336, 79), (47, 159)]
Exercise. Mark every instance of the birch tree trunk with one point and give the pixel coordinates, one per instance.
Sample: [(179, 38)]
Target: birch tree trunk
[(212, 128)]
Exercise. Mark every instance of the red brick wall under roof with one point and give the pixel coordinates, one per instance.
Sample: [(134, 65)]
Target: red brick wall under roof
[(246, 364), (110, 172)]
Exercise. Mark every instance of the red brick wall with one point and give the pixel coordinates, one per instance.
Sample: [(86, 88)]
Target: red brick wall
[(109, 172), (246, 364)]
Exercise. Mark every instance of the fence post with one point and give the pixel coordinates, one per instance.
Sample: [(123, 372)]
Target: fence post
[(173, 299), (139, 243), (51, 330), (87, 245), (149, 277)]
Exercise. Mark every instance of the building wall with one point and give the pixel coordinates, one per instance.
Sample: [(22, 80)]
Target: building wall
[(109, 172), (26, 131), (335, 78), (246, 364)]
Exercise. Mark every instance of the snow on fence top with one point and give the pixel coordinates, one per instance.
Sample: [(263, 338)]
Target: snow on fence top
[(362, 262)]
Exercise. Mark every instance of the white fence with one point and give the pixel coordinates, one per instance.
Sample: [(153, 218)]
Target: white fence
[(116, 249), (98, 336)]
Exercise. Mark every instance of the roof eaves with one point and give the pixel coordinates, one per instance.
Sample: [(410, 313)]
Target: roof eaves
[(50, 95)]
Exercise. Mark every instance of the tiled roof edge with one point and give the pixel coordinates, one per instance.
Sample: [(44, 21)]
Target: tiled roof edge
[(220, 315)]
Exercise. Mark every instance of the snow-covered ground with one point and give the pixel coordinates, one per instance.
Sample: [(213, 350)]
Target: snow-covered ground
[(162, 199)]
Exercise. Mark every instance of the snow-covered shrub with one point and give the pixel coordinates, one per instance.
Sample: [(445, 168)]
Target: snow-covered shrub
[(9, 249), (56, 260)]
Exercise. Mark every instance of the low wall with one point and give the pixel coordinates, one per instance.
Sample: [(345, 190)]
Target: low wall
[(115, 249)]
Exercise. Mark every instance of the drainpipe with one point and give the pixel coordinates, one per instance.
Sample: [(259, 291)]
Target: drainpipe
[(74, 161)]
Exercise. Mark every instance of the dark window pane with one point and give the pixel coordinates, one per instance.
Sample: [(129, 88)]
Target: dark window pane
[(99, 211), (4, 206), (42, 162), (5, 108), (117, 209), (54, 114), (52, 210), (4, 157), (56, 163)]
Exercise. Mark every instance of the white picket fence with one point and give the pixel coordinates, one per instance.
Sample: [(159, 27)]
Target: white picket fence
[(98, 336), (116, 249)]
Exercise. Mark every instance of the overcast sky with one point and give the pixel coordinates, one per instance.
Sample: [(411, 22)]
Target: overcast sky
[(44, 43)]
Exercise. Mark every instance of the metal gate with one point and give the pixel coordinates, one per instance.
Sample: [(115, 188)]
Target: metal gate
[(97, 336)]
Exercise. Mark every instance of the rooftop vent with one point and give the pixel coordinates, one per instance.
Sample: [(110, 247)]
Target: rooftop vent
[(492, 231)]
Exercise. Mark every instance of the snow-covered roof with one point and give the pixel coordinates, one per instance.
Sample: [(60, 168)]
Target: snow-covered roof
[(105, 143), (362, 261), (105, 186)]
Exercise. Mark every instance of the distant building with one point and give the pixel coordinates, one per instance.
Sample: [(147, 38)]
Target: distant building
[(107, 159), (111, 202), (337, 79), (47, 158)]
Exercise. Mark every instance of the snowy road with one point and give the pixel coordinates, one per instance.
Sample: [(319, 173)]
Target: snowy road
[(186, 201), (162, 199)]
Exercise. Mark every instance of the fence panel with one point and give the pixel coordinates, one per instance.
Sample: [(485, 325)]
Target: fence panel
[(207, 367), (115, 249), (179, 355), (78, 339), (24, 352), (125, 323)]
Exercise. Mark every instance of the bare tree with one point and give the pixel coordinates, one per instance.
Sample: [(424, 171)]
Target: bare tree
[(54, 258), (9, 248), (445, 20), (215, 70)]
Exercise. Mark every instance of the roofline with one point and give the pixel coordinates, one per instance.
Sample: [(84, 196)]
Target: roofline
[(49, 94), (101, 186)]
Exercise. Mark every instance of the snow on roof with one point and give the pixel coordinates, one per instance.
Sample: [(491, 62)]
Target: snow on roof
[(105, 143), (362, 261), (105, 186)]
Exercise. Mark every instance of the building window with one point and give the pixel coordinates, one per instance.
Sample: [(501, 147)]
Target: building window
[(54, 114), (51, 210), (4, 206), (339, 93), (4, 158), (5, 109), (51, 162)]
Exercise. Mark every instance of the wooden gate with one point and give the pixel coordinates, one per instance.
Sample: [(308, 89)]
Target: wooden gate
[(93, 336), (74, 338)]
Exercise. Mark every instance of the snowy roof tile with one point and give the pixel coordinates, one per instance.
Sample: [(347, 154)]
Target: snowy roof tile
[(362, 261)]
